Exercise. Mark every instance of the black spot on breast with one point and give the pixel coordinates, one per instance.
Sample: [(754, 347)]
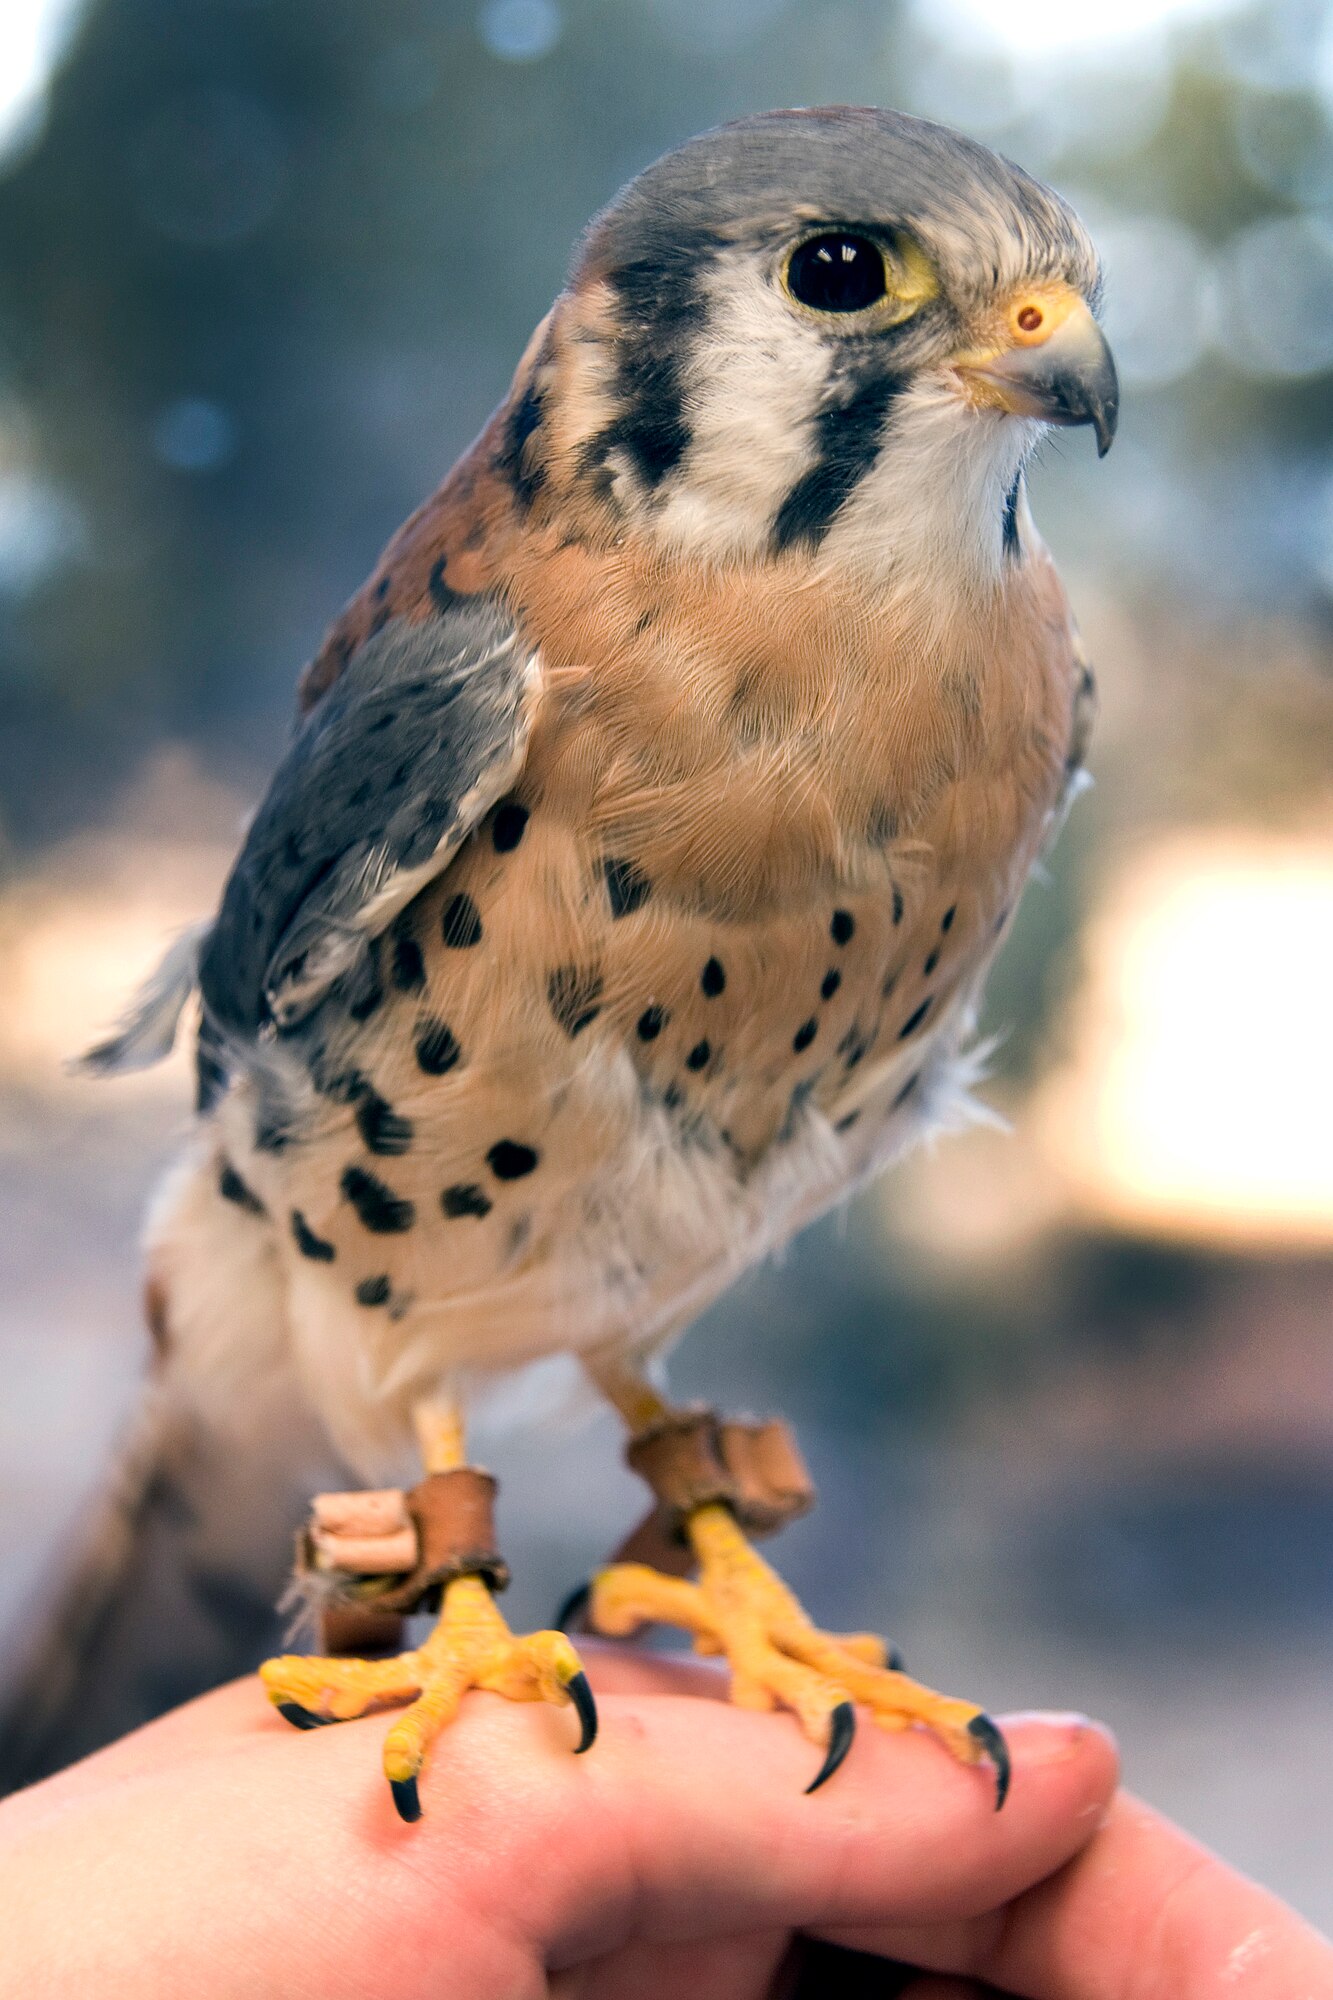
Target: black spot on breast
[(379, 1209), (804, 1035), (847, 441), (384, 720), (651, 1023), (308, 1243), (846, 1123), (713, 978), (897, 904), (408, 966), (362, 986), (510, 1160), (373, 1291), (830, 983), (437, 1050), (383, 1129), (673, 1097), (341, 1086), (465, 1198), (906, 1091), (842, 927), (627, 889), (574, 996), (461, 923), (946, 921), (232, 1188), (914, 1020), (508, 826), (886, 989), (698, 1056), (382, 589), (931, 962), (513, 458)]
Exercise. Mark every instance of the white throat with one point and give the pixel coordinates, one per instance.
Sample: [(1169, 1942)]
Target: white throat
[(928, 518)]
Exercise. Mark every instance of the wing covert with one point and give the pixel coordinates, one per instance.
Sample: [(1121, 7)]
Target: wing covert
[(422, 732)]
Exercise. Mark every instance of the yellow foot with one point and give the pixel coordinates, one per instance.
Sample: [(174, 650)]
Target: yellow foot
[(740, 1608), (471, 1647)]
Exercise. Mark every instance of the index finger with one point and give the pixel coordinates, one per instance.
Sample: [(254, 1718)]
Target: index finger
[(1146, 1911), (704, 1807), (1143, 1913)]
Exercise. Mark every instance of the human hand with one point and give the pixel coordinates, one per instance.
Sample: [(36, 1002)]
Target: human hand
[(218, 1853)]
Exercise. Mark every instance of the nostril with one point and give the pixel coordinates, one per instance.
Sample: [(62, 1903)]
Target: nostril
[(1030, 318)]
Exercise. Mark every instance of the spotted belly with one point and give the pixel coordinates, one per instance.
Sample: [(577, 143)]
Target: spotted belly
[(559, 1106)]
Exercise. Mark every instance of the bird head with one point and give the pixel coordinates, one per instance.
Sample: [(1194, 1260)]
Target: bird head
[(838, 330)]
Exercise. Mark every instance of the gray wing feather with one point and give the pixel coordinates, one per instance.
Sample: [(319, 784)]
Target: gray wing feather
[(410, 748)]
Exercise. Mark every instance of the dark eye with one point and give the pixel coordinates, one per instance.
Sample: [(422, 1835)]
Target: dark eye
[(837, 273)]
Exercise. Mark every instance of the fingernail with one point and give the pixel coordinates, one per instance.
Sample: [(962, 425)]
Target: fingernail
[(1061, 1731), (1053, 1719)]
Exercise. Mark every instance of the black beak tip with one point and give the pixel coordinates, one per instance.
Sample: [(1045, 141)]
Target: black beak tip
[(1106, 408), (1105, 422)]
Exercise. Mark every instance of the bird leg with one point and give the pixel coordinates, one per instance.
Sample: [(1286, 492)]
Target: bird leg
[(714, 1481), (471, 1645)]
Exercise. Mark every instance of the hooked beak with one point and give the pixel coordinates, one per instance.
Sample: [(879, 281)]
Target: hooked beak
[(1054, 364)]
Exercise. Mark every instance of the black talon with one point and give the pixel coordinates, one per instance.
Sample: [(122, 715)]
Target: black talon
[(406, 1798), (573, 1607), (842, 1728), (580, 1693), (988, 1736), (300, 1718)]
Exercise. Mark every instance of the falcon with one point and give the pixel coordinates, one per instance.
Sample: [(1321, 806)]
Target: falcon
[(625, 896)]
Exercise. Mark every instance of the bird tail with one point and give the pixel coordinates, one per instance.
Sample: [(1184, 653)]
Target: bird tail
[(169, 1586), (146, 1033)]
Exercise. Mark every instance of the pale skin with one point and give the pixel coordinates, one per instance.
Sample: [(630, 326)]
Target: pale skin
[(219, 1854)]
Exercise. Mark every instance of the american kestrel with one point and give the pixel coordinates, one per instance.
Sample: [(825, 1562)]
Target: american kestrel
[(625, 896)]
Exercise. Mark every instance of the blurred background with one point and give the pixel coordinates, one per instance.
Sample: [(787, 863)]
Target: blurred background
[(265, 266)]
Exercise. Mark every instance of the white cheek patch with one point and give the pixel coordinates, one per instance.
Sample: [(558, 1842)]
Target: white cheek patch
[(752, 389)]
